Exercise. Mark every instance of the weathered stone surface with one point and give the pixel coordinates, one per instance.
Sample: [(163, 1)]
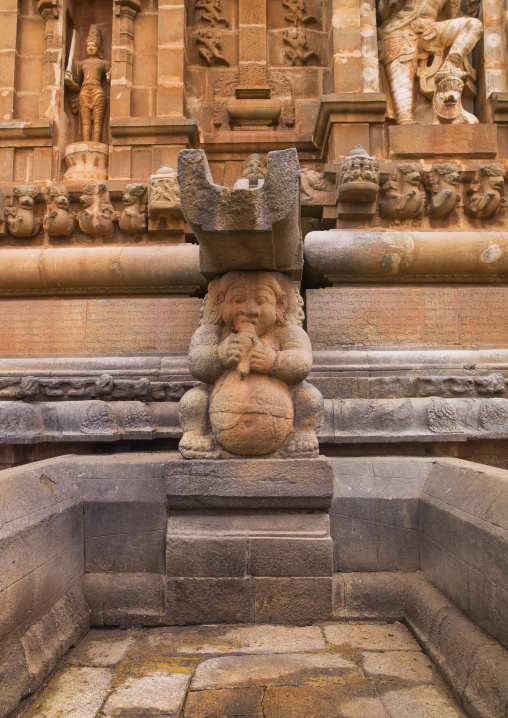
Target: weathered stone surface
[(378, 595), (81, 690), (336, 701), (228, 703), (245, 639), (253, 356), (400, 665), (124, 599), (267, 219), (261, 483), (420, 702), (276, 670), (153, 694), (101, 649), (371, 636)]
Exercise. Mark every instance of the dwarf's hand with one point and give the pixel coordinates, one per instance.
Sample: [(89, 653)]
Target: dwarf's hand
[(233, 349), (262, 357)]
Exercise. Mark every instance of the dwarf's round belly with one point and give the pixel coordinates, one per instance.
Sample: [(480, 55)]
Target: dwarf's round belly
[(251, 416)]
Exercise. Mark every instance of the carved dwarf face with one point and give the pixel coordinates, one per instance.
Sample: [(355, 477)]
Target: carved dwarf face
[(26, 202), (496, 182), (250, 302)]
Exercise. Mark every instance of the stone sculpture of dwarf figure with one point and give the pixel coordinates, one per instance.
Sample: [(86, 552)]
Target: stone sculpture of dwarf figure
[(253, 356), (91, 102)]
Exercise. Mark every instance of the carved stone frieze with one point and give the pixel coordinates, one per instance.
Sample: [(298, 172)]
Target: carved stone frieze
[(98, 217), (59, 220), (315, 188), (105, 387), (403, 194), (297, 50), (207, 36), (486, 192), (20, 214), (443, 183), (357, 185), (132, 220)]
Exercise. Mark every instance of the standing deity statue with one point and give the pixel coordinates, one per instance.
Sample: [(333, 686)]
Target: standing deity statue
[(415, 44), (91, 102)]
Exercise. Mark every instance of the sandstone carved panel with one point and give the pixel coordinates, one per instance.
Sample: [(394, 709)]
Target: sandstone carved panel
[(98, 326), (432, 317)]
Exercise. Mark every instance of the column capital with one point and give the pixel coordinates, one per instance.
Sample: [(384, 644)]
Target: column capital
[(48, 8), (134, 5)]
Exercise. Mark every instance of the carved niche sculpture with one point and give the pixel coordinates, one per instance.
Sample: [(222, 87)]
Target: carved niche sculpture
[(207, 38), (88, 79), (357, 185), (253, 174), (132, 220), (443, 183), (59, 221), (486, 192), (280, 89), (315, 188), (297, 50), (415, 44), (20, 214), (253, 357), (164, 207), (447, 101), (98, 217), (403, 193)]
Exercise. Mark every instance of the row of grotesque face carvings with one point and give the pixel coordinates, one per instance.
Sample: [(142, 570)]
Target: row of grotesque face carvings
[(162, 196), (403, 197), (404, 193)]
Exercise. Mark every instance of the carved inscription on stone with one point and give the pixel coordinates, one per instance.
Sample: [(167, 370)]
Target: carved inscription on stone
[(178, 318), (435, 317), (42, 327), (98, 326)]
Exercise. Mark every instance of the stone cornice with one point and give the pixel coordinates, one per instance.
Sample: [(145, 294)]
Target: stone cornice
[(154, 130), (363, 107)]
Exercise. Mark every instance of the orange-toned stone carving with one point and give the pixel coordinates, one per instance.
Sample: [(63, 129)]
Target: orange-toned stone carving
[(20, 215), (98, 217), (164, 207), (297, 12), (486, 191), (132, 220), (443, 182), (90, 74), (447, 101), (3, 232), (415, 44), (357, 184), (253, 356), (403, 193), (59, 221), (297, 50)]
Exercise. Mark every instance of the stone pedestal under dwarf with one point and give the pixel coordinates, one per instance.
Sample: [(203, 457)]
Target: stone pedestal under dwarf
[(253, 357)]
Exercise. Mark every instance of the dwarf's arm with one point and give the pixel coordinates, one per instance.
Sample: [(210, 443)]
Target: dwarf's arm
[(294, 362)]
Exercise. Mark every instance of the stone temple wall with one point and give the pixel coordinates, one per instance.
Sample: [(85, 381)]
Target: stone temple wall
[(406, 237)]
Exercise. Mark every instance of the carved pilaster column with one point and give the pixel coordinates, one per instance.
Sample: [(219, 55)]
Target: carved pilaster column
[(49, 100), (252, 59), (9, 20), (122, 56)]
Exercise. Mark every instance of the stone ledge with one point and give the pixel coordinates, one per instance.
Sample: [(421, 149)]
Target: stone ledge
[(464, 141), (250, 483), (26, 134), (156, 130), (346, 107)]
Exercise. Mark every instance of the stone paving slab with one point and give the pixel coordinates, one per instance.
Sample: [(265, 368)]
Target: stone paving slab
[(334, 670), (274, 670), (214, 640)]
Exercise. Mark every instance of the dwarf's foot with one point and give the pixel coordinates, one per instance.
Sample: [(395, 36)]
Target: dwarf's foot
[(198, 446), (301, 443)]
